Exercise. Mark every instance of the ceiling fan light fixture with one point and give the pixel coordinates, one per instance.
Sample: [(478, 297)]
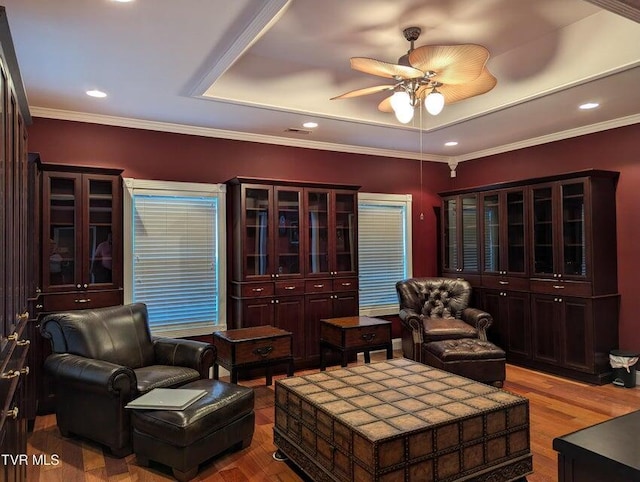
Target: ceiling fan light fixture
[(400, 100), (434, 102)]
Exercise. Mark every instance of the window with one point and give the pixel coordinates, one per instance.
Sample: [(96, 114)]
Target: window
[(175, 255), (384, 250)]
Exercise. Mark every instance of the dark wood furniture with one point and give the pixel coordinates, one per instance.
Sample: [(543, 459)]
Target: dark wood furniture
[(81, 217), (17, 289), (293, 257), (401, 420), (541, 257), (354, 334), (253, 347), (606, 451)]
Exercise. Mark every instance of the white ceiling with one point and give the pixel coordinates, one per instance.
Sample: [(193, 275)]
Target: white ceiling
[(250, 69)]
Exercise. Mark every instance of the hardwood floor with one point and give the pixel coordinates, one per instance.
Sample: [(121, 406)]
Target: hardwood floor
[(557, 406)]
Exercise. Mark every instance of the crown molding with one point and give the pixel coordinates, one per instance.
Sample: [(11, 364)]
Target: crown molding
[(48, 113)]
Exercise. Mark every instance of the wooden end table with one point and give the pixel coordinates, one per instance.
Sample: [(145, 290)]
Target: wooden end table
[(253, 347), (353, 334)]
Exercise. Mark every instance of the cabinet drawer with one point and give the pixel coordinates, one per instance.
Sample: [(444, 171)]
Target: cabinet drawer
[(293, 287), (561, 287), (345, 284), (80, 300), (264, 349), (505, 283), (257, 289), (318, 286), (367, 336)]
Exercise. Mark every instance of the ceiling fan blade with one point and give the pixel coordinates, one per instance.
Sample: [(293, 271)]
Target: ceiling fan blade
[(366, 91), (453, 64), (456, 92), (385, 105), (384, 69)]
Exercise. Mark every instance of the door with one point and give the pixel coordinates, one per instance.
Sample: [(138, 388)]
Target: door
[(257, 237), (546, 318), (577, 334), (289, 315), (288, 243), (316, 307), (344, 257)]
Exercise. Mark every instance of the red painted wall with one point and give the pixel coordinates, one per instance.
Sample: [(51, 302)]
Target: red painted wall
[(616, 150), (155, 155)]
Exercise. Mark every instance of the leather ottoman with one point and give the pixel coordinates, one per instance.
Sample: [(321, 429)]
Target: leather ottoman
[(182, 439), (469, 357)]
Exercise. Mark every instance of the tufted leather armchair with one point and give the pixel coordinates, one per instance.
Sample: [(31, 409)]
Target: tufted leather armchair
[(434, 309), (103, 358)]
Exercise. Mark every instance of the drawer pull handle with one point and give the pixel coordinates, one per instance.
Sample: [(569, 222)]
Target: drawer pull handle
[(23, 316), (318, 286), (263, 351), (13, 413), (23, 342), (503, 282), (12, 337), (83, 300), (558, 287), (10, 374), (24, 371), (39, 306), (368, 336), (289, 287), (257, 290), (346, 284)]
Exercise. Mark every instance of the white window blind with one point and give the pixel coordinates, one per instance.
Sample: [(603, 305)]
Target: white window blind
[(175, 259), (384, 250)]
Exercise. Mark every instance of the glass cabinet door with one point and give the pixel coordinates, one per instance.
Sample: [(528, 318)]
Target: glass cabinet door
[(450, 232), (345, 232), (287, 241), (257, 241), (470, 257), (100, 231), (491, 219), (62, 265), (543, 230), (317, 237), (516, 252), (573, 239)]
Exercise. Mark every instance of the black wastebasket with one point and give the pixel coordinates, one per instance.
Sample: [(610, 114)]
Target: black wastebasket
[(624, 367)]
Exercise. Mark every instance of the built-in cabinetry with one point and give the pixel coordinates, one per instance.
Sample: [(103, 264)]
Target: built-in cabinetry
[(548, 271), (80, 245), (293, 257), (16, 244)]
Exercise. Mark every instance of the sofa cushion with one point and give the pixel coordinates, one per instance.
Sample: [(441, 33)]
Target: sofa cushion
[(163, 376), (447, 329)]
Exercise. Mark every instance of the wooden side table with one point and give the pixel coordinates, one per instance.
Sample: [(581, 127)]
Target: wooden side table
[(353, 334), (254, 347)]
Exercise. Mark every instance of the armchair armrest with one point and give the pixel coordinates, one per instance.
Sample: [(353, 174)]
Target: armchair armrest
[(412, 334), (481, 320), (186, 353), (96, 376)]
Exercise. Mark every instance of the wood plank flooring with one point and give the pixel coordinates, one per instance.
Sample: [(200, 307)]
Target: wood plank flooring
[(557, 406)]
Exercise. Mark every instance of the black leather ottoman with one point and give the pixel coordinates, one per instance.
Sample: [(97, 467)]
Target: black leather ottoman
[(469, 357), (182, 439)]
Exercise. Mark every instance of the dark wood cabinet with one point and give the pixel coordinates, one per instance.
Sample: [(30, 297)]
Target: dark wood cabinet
[(293, 257), (80, 248), (461, 235), (16, 244), (543, 275)]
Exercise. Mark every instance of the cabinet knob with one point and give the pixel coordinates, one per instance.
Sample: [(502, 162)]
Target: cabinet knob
[(85, 286), (558, 287), (83, 300), (319, 286), (272, 301), (78, 286), (503, 282), (559, 300), (257, 290), (24, 370), (277, 301), (39, 306), (289, 287), (276, 275)]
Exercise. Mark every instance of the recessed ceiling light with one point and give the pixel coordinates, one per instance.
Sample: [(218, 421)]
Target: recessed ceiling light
[(589, 105), (123, 1), (96, 93), (310, 125), (451, 143)]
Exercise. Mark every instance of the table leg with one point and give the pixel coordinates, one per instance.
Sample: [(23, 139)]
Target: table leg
[(389, 351), (367, 356), (216, 371), (290, 371), (234, 375), (345, 358), (323, 361), (269, 376)]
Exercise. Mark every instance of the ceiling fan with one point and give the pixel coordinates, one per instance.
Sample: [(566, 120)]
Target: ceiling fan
[(434, 75)]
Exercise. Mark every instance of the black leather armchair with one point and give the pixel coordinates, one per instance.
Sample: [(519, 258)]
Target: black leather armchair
[(435, 309), (103, 358)]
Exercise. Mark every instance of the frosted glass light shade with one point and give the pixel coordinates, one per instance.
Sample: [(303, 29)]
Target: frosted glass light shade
[(405, 114), (400, 100), (434, 103)]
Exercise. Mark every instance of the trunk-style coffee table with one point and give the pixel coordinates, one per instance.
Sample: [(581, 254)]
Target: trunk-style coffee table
[(400, 420)]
